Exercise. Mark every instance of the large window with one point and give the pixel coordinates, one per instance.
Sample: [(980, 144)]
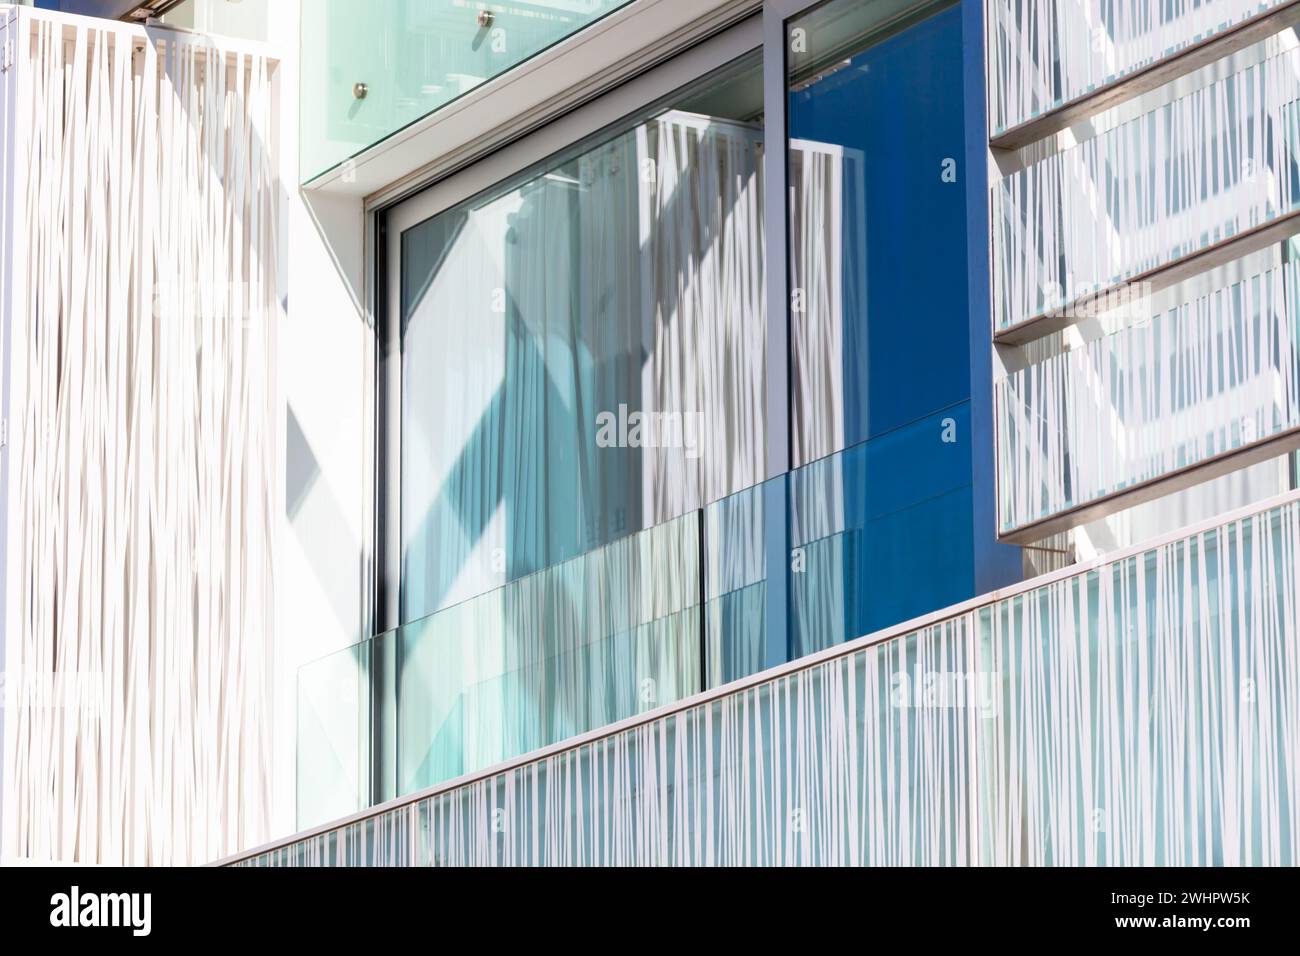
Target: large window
[(879, 312), (598, 513), (880, 319)]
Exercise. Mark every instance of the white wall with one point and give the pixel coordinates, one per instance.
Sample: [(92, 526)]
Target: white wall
[(325, 378)]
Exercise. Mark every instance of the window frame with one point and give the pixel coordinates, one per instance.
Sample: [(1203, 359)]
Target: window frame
[(388, 215)]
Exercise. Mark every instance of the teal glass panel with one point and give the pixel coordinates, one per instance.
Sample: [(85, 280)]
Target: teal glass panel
[(582, 644), (412, 56), (736, 575), (347, 713)]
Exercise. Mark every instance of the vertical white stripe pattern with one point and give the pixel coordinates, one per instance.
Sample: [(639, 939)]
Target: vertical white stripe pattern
[(1215, 374), (1043, 53), (143, 448), (1201, 169)]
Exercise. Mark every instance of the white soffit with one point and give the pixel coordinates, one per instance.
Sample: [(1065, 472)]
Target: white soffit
[(590, 62)]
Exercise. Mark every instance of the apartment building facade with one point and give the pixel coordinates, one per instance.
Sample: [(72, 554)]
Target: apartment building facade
[(584, 432)]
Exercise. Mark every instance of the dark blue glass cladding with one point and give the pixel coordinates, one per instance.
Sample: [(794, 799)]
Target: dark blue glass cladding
[(899, 105)]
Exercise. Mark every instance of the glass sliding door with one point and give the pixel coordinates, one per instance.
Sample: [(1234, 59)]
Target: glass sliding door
[(582, 357)]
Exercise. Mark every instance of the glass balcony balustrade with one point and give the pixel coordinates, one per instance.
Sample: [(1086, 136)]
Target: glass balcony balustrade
[(1215, 373), (379, 66), (1046, 53), (1107, 213), (644, 621), (1141, 710)]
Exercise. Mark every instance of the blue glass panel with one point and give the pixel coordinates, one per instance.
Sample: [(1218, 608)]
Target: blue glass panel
[(878, 235), (879, 533), (882, 532)]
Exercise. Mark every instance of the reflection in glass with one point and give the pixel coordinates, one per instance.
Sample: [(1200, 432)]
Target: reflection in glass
[(879, 323), (1151, 190), (1044, 53), (583, 349), (582, 644), (1139, 713), (879, 533)]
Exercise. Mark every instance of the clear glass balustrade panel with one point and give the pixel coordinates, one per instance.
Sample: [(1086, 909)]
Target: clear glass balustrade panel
[(588, 642), (378, 66)]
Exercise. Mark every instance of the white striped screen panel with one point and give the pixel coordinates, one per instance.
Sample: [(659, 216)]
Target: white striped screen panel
[(1044, 53), (1201, 169), (142, 448), (1211, 375)]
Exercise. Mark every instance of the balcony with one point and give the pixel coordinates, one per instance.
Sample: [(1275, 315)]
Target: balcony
[(1053, 63), (645, 620), (1138, 710)]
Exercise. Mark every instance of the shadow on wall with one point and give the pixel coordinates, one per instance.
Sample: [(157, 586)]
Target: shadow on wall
[(319, 522)]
